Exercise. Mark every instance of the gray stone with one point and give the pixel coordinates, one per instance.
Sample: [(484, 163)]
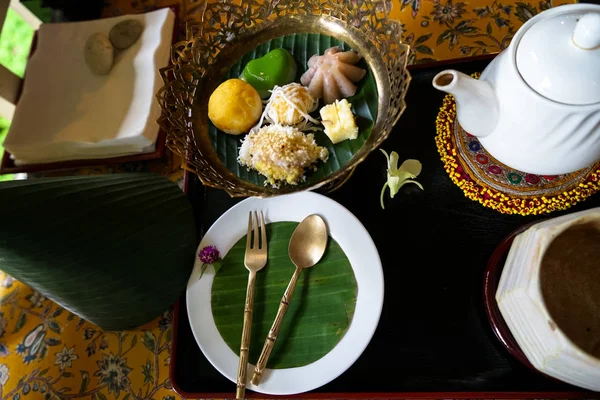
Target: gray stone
[(99, 54), (125, 33)]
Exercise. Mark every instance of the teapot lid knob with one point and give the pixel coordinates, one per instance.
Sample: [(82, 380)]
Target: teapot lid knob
[(558, 54), (587, 32)]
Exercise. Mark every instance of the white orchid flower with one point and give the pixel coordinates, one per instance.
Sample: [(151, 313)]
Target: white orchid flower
[(398, 177)]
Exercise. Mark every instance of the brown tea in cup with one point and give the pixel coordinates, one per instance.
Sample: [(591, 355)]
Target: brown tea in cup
[(570, 285)]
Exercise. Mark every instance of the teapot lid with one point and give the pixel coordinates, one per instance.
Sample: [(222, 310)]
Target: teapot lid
[(559, 57)]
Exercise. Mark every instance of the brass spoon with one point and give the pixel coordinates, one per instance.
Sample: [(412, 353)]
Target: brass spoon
[(306, 248)]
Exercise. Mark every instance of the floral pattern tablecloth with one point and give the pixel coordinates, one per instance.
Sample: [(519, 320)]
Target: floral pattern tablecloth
[(46, 352)]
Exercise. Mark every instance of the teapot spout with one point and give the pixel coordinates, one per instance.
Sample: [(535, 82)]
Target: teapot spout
[(476, 104)]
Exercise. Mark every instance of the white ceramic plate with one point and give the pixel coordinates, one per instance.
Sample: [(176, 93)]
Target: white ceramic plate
[(354, 240)]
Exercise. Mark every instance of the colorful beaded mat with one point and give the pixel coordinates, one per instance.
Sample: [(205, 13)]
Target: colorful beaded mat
[(495, 185)]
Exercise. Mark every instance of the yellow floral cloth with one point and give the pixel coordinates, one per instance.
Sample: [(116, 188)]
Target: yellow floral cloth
[(436, 29), (48, 353)]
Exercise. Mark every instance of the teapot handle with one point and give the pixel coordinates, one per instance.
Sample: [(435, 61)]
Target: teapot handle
[(586, 35)]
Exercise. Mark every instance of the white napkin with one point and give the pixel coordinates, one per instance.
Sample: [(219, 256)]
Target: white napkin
[(66, 112)]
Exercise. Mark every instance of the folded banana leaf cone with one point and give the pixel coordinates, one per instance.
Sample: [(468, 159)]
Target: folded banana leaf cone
[(117, 250)]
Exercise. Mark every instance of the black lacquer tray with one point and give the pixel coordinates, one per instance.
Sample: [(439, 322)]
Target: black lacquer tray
[(434, 339)]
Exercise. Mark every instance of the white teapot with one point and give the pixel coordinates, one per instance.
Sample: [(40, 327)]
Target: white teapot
[(536, 107)]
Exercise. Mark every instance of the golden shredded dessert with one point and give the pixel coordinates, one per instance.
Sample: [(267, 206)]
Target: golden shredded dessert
[(290, 104), (281, 154)]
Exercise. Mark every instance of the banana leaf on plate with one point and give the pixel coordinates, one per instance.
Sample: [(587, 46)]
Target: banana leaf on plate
[(319, 314)]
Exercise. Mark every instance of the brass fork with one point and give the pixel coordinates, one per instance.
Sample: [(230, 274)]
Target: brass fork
[(255, 259)]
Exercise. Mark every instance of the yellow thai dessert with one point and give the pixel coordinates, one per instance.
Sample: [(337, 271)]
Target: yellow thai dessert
[(234, 107), (291, 105), (281, 154), (338, 120)]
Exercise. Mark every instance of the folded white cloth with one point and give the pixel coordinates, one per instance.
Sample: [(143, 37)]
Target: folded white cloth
[(66, 112)]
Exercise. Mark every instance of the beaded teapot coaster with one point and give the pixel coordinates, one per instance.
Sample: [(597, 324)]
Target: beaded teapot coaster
[(495, 185)]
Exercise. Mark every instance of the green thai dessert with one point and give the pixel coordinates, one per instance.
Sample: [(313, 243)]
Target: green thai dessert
[(276, 68)]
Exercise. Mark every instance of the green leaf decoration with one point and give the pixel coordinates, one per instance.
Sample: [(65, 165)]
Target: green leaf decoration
[(148, 372), (133, 341), (54, 326), (85, 380), (44, 351), (424, 49), (423, 39), (53, 342), (20, 322), (100, 396), (320, 311), (364, 106), (443, 37), (57, 312), (115, 249), (149, 341)]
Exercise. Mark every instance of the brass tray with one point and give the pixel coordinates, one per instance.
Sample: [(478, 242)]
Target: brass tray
[(227, 30)]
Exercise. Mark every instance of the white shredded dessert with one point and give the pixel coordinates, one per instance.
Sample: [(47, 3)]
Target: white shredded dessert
[(290, 104), (281, 153)]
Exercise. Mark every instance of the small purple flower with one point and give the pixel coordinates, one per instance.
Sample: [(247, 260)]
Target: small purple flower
[(209, 254)]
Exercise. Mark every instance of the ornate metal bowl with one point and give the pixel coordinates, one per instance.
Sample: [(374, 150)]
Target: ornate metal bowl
[(227, 31)]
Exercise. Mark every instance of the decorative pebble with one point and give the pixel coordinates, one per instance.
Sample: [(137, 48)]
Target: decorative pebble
[(99, 54), (125, 33)]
